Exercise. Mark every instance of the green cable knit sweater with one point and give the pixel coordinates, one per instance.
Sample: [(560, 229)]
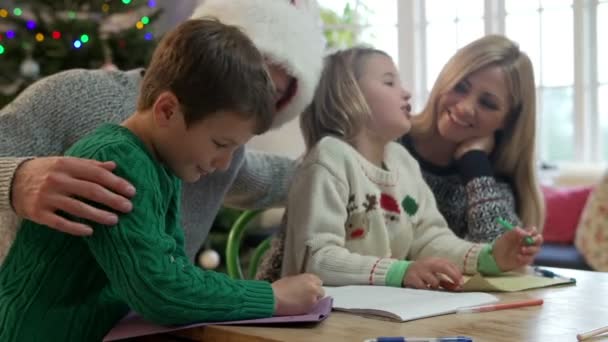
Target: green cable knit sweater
[(57, 287)]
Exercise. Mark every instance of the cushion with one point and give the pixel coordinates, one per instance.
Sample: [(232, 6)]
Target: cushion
[(592, 232), (564, 206), (561, 255)]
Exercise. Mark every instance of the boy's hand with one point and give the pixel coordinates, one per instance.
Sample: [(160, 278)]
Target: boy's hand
[(42, 186), (297, 295), (430, 273), (511, 251)]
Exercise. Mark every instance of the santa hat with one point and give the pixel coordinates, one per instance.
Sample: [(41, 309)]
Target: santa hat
[(288, 33)]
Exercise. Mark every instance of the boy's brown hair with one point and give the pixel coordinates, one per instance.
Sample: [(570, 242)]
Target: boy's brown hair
[(210, 67)]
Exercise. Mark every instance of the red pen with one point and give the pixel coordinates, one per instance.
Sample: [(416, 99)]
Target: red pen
[(503, 306)]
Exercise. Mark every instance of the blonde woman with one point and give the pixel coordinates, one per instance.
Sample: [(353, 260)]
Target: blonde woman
[(475, 138)]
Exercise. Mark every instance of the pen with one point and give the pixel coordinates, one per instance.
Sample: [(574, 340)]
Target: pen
[(592, 333), (421, 339), (503, 306), (550, 274), (509, 226)]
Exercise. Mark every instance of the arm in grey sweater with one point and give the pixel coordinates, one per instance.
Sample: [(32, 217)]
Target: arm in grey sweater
[(51, 114), (262, 181)]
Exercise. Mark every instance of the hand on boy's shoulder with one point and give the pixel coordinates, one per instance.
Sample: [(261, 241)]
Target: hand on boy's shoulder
[(44, 186)]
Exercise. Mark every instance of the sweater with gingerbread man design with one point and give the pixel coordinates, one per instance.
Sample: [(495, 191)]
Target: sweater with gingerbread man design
[(354, 223)]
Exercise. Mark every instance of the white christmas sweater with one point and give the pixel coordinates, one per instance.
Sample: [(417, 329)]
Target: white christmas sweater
[(353, 223)]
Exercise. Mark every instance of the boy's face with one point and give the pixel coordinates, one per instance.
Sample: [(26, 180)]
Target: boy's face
[(205, 146)]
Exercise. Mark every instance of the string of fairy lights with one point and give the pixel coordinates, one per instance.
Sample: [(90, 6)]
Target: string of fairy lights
[(77, 42)]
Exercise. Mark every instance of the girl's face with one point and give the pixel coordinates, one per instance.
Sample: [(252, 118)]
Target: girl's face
[(388, 101), (476, 107)]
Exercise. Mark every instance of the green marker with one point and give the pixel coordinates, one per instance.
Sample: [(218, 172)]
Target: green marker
[(508, 226)]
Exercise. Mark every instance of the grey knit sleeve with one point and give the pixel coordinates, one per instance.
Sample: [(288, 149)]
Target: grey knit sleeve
[(51, 114), (262, 181), (8, 166), (487, 200)]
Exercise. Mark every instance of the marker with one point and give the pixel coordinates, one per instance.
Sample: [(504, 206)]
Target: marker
[(508, 226), (421, 339), (550, 274), (503, 306)]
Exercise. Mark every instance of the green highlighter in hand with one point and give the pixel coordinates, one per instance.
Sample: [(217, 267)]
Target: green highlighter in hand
[(508, 226)]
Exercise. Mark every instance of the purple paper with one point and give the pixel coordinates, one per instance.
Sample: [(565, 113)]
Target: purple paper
[(132, 325)]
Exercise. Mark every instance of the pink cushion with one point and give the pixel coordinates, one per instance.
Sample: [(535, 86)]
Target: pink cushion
[(564, 207)]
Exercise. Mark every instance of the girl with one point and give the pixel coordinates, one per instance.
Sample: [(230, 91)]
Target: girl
[(359, 211), (475, 140)]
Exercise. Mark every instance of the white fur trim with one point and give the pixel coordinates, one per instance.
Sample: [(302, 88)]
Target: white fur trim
[(288, 35)]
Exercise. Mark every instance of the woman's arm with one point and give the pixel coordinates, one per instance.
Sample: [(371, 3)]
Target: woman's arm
[(487, 199), (262, 181)]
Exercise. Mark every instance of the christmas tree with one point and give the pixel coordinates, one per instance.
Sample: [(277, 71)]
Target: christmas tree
[(42, 37)]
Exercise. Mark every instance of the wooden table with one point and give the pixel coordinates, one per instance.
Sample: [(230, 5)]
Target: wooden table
[(567, 310)]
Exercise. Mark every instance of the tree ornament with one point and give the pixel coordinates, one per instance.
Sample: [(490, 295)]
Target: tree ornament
[(30, 68), (209, 259)]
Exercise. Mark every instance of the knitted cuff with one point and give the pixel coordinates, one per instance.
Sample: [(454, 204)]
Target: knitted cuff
[(471, 259), (8, 167), (379, 271), (474, 164), (396, 272), (487, 263), (258, 299)]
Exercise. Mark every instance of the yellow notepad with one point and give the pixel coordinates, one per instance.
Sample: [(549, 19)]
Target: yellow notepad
[(511, 282)]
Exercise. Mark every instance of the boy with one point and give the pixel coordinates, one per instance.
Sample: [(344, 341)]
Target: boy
[(204, 95)]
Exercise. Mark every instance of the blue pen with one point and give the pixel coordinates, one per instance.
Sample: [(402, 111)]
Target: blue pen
[(421, 339), (550, 274), (509, 226)]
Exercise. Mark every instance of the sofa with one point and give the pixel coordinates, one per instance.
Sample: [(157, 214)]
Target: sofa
[(566, 192)]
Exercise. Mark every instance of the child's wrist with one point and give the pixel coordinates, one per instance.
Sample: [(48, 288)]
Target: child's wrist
[(396, 273), (486, 263)]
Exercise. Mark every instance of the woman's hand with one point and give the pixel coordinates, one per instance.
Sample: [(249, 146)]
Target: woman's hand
[(43, 186), (511, 250), (431, 273), (485, 144)]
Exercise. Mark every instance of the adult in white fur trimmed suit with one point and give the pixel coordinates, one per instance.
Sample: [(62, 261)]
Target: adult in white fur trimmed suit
[(56, 111)]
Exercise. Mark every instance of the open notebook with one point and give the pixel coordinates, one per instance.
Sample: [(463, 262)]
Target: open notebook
[(402, 304)]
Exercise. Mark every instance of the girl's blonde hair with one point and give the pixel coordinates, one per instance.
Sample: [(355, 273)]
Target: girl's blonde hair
[(514, 152), (338, 107)]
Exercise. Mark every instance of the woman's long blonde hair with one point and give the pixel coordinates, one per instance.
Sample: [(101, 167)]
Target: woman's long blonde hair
[(514, 154), (338, 107)]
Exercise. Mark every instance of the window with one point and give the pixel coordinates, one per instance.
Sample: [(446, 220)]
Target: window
[(449, 25), (535, 26), (351, 22)]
